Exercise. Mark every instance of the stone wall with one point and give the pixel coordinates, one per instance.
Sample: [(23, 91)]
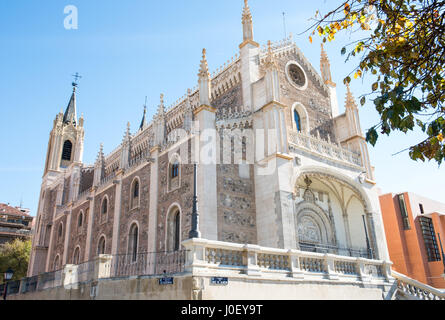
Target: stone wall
[(102, 226), (314, 98), (181, 196), (137, 213), (236, 204), (78, 235)]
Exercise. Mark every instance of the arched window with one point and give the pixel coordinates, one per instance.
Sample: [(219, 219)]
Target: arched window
[(135, 194), (104, 210), (174, 229), (60, 232), (297, 120), (76, 256), (174, 170), (67, 150), (56, 263), (80, 220), (174, 173), (133, 242), (101, 246)]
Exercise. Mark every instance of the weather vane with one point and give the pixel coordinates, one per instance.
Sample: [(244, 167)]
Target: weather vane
[(76, 78)]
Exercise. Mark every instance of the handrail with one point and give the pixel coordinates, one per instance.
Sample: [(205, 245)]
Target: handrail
[(417, 289)]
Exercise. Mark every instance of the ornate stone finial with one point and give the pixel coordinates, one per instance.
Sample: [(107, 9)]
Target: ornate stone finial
[(350, 101), (247, 23), (325, 67), (204, 68), (100, 154), (270, 61), (247, 16)]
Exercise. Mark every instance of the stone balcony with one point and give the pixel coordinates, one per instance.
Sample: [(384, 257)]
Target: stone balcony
[(322, 149), (205, 257)]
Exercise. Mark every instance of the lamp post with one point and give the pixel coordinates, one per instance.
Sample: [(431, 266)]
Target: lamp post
[(194, 232), (7, 276)]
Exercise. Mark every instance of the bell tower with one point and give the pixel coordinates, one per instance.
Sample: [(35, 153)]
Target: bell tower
[(65, 144)]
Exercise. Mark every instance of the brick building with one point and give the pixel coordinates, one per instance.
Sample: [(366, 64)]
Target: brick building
[(415, 230), (15, 223), (279, 167)]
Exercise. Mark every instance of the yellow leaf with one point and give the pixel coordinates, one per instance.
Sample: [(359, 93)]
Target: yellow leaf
[(310, 39)]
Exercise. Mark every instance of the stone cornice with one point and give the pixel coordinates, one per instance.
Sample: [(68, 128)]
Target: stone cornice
[(246, 42), (272, 103), (204, 107)]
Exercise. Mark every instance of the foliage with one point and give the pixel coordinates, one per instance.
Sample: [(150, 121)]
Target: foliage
[(15, 255), (403, 47)]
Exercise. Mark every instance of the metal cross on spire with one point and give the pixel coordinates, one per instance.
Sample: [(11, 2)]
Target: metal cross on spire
[(76, 78)]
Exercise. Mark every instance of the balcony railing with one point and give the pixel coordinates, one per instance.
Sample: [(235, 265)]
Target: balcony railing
[(411, 289), (323, 148), (151, 264), (324, 248), (214, 256)]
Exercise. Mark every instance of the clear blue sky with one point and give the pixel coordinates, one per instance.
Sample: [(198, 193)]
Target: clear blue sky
[(126, 50)]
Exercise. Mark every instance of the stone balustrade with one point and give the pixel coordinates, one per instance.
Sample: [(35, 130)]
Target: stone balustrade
[(325, 149), (222, 258), (411, 289)]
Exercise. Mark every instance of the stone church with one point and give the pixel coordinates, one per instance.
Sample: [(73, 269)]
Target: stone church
[(277, 166)]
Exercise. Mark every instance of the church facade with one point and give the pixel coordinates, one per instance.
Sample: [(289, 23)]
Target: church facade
[(277, 166)]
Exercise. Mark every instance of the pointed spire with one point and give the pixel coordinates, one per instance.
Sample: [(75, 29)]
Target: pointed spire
[(161, 107), (204, 68), (350, 100), (144, 121), (270, 59), (247, 16), (70, 116), (127, 135), (100, 154), (325, 68), (204, 81), (247, 23)]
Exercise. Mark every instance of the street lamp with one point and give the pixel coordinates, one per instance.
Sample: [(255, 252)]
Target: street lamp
[(7, 276)]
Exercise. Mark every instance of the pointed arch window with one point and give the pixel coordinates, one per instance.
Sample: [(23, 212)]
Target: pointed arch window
[(101, 246), (135, 192), (133, 242), (174, 229), (104, 210), (67, 150), (60, 232), (175, 170), (56, 263), (80, 220), (297, 120), (76, 256)]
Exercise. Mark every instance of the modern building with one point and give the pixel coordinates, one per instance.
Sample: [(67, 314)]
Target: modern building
[(284, 184), (15, 223), (415, 231)]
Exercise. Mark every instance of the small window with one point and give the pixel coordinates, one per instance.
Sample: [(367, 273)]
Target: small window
[(173, 231), (80, 220), (67, 149), (175, 170), (56, 263), (60, 232), (297, 120), (421, 208), (104, 210), (76, 256), (429, 237), (133, 242), (404, 212), (101, 246), (134, 201)]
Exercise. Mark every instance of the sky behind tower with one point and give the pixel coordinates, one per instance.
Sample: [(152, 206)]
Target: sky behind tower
[(127, 50)]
